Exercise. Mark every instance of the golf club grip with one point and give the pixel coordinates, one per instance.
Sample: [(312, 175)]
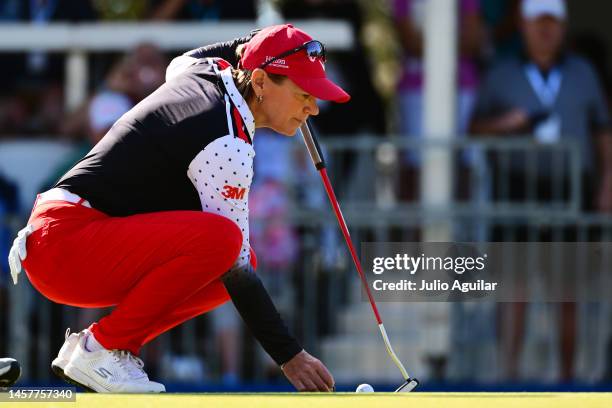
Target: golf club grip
[(313, 146)]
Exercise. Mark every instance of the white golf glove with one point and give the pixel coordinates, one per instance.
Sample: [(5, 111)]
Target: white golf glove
[(18, 252)]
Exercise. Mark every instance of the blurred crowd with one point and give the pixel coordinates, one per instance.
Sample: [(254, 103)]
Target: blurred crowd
[(518, 73)]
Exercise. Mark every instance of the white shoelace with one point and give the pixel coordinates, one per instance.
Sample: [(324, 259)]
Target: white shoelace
[(133, 365)]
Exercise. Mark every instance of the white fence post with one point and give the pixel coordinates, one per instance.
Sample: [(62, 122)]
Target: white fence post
[(439, 114), (77, 75)]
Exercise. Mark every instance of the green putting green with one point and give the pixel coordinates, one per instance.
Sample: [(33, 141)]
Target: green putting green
[(340, 400)]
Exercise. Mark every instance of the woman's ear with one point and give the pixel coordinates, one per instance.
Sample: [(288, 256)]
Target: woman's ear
[(258, 80)]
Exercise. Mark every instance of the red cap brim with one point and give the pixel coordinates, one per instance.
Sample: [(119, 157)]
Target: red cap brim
[(322, 88)]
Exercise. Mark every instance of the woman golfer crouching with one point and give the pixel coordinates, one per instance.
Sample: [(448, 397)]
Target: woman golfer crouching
[(154, 220)]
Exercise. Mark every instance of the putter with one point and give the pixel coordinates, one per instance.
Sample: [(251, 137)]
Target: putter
[(317, 158)]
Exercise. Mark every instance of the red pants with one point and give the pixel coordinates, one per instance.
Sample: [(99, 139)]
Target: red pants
[(159, 269)]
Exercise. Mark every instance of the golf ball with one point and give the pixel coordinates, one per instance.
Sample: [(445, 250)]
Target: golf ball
[(364, 388)]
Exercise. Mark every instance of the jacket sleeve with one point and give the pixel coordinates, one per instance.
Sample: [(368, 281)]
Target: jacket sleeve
[(260, 315)]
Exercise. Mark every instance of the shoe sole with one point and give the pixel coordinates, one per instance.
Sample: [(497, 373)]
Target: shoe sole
[(82, 379), (57, 370)]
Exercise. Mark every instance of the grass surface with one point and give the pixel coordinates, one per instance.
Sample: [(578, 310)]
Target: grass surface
[(343, 400)]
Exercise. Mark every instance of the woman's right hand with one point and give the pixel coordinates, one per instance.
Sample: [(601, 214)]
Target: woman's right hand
[(307, 373)]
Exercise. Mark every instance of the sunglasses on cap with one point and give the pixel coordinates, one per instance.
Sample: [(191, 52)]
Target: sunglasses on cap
[(313, 48)]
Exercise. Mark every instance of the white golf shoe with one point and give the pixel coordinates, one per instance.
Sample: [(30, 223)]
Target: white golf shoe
[(116, 371), (60, 362), (58, 365)]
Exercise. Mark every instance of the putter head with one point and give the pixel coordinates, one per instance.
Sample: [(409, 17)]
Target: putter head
[(408, 385)]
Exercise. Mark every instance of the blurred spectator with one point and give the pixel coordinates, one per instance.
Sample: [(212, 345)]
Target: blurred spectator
[(274, 238), (146, 71), (104, 110), (31, 93), (409, 19), (553, 95), (138, 73), (135, 76)]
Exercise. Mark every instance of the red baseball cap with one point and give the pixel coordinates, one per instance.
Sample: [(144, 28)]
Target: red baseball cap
[(308, 73)]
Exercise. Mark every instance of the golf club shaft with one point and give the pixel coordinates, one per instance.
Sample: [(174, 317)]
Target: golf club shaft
[(347, 238), (317, 158)]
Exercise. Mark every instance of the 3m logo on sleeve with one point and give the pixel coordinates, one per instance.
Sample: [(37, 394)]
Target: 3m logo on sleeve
[(236, 193)]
